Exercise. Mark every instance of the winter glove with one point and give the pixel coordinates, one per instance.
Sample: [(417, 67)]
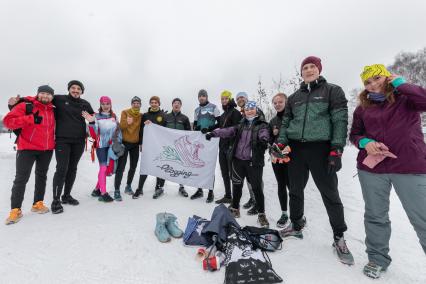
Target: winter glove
[(37, 118), (209, 136), (204, 130), (334, 160)]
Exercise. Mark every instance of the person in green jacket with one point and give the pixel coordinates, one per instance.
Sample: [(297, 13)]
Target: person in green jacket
[(315, 125), (177, 120)]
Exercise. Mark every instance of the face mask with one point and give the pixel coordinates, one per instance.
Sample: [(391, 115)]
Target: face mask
[(376, 97)]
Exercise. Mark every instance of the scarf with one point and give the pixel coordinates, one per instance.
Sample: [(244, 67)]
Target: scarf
[(376, 97)]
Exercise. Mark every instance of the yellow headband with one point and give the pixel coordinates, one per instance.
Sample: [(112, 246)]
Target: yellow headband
[(374, 70), (227, 94)]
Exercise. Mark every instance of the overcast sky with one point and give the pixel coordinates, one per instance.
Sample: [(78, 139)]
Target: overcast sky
[(173, 48)]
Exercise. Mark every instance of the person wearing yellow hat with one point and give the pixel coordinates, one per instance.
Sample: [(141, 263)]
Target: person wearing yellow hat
[(386, 128), (230, 117)]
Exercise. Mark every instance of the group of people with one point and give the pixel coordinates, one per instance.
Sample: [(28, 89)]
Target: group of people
[(312, 122)]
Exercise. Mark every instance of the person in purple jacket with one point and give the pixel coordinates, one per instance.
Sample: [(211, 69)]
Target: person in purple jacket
[(248, 155), (386, 128)]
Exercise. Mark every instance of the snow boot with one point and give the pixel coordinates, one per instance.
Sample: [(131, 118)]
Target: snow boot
[(253, 210), (96, 192), (182, 191), (281, 223), (14, 216), (249, 203), (345, 256), (158, 192), (56, 207), (160, 229), (235, 212), (39, 207), (172, 227), (198, 194), (224, 200), (117, 195), (373, 270), (263, 222), (128, 189), (137, 193), (105, 198), (68, 199), (210, 197)]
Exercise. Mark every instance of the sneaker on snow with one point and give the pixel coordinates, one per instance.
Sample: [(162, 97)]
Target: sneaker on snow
[(235, 212), (39, 207), (172, 227), (291, 232), (253, 210), (182, 191), (282, 221), (249, 204), (137, 193), (160, 229), (263, 222), (68, 199), (117, 195), (56, 207), (158, 192), (373, 270), (343, 252), (96, 192), (198, 194), (105, 198), (224, 199), (14, 216), (128, 189), (210, 197)]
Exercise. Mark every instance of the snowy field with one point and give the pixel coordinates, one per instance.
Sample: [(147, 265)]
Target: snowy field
[(115, 243)]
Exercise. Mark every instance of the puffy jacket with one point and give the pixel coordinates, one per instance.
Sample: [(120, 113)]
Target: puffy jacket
[(177, 121), (70, 125), (157, 117), (250, 140), (398, 126), (33, 136), (316, 112), (130, 132), (230, 117)]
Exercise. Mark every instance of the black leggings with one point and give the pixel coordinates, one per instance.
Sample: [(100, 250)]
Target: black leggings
[(24, 163), (281, 174), (225, 168), (132, 150), (67, 157), (241, 170)]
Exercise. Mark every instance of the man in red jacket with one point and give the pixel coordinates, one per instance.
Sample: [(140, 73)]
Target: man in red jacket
[(36, 141)]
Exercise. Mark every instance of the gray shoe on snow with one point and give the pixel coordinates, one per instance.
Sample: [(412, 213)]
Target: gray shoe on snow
[(290, 232), (160, 228), (117, 196), (158, 192), (373, 270), (172, 227), (282, 222), (128, 189), (343, 252), (263, 222)]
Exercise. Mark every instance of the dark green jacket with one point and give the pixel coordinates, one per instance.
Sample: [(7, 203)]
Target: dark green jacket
[(318, 111), (177, 121)]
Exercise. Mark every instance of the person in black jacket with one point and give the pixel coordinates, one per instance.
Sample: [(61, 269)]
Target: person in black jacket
[(177, 120), (230, 117), (157, 116), (70, 133), (280, 169)]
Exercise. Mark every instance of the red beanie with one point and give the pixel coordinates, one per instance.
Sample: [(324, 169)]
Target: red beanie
[(311, 59)]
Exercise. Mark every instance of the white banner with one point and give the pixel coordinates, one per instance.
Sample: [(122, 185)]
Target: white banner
[(180, 156)]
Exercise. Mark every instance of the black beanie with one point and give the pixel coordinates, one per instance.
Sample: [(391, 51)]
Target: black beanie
[(176, 100), (202, 92), (136, 99), (45, 89), (76, 82)]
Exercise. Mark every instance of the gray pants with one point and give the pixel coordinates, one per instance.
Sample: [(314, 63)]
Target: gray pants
[(411, 190)]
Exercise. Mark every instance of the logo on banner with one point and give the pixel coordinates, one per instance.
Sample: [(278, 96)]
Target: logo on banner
[(184, 153)]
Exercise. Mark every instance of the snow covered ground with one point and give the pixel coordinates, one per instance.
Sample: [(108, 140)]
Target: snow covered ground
[(115, 243)]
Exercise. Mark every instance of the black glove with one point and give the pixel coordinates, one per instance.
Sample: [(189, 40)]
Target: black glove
[(209, 136), (204, 130), (334, 161), (37, 118)]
